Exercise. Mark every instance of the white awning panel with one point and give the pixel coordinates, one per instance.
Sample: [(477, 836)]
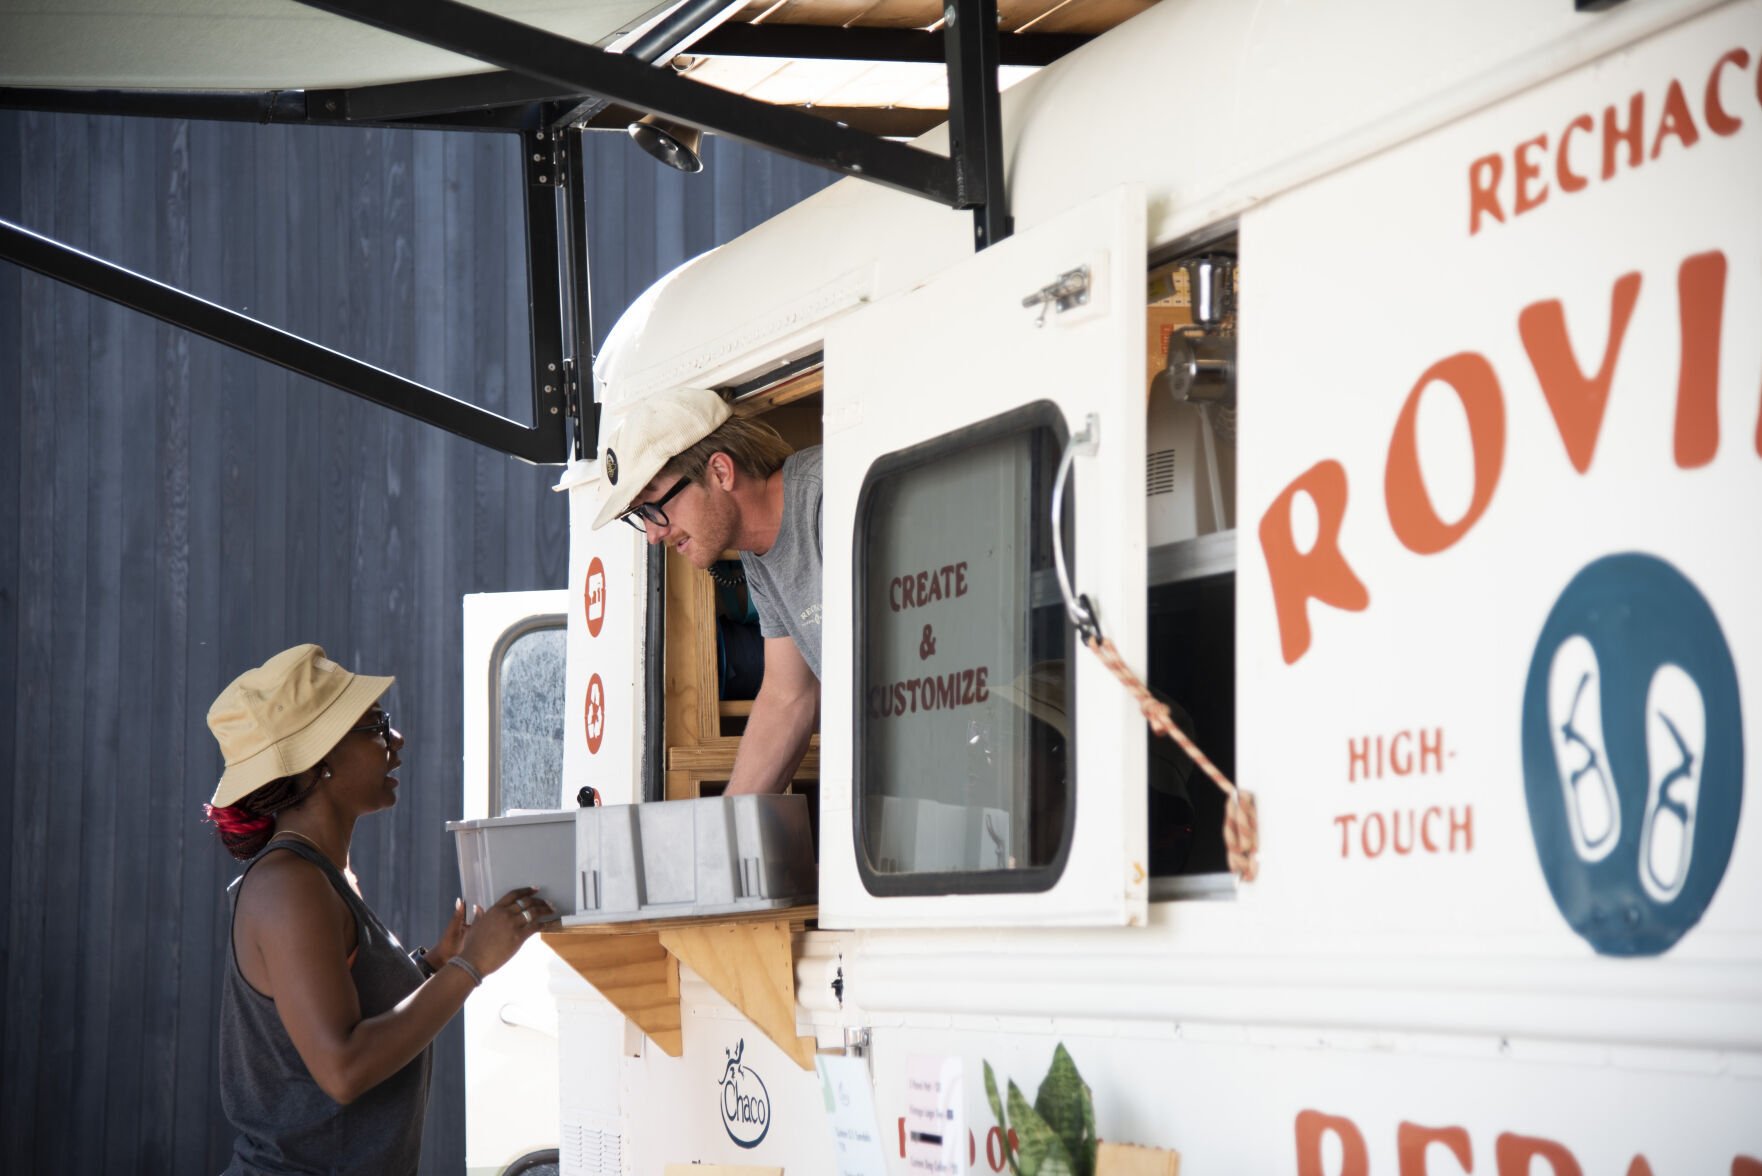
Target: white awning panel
[(254, 44)]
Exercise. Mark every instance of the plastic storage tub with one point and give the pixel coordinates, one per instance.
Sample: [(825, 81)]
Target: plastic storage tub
[(616, 863)]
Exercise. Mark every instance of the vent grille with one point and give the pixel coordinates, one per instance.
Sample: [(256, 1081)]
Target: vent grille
[(1159, 473), (591, 1149)]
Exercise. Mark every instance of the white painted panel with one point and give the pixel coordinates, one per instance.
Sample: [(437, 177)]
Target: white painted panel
[(1313, 1101), (1606, 543), (962, 349), (511, 1036), (253, 44), (603, 732), (731, 1098)]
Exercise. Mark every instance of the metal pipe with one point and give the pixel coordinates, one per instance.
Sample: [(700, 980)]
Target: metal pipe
[(676, 31)]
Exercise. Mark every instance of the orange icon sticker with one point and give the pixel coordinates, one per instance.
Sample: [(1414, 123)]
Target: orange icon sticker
[(596, 714), (596, 597)]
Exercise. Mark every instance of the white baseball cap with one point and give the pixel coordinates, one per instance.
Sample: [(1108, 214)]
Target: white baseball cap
[(648, 435)]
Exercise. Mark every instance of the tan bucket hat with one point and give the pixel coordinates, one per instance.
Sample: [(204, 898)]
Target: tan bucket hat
[(282, 717), (649, 434)]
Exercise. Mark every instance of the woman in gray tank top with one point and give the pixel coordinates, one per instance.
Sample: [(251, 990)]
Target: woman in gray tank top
[(326, 1024)]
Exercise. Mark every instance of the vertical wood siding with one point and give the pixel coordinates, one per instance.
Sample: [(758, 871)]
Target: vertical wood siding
[(172, 512)]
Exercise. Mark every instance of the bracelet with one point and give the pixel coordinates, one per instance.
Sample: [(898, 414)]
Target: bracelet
[(466, 967)]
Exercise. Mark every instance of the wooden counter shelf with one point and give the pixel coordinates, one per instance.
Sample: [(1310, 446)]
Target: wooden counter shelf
[(748, 957)]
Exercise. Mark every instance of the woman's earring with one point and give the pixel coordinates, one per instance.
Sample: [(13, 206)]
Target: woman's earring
[(324, 771)]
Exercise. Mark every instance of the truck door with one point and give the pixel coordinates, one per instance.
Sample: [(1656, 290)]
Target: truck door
[(513, 743), (987, 771)]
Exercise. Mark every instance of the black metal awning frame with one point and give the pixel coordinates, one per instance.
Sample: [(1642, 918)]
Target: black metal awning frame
[(549, 86)]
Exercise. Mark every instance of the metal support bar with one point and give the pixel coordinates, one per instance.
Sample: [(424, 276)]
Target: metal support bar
[(396, 101), (364, 107), (684, 27), (820, 42), (579, 290), (268, 106), (543, 160), (545, 442), (461, 28), (975, 117), (670, 36)]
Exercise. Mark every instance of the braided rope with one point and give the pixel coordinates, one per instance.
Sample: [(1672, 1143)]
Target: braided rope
[(1241, 823)]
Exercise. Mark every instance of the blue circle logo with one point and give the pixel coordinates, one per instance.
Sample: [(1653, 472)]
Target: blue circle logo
[(1633, 754), (746, 1105)]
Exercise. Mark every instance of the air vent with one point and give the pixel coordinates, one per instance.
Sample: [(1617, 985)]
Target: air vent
[(591, 1146), (1159, 473)]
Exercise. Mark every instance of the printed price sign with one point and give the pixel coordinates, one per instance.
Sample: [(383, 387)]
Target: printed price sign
[(850, 1109), (935, 1116)]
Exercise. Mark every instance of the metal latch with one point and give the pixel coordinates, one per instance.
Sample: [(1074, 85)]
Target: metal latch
[(1070, 290)]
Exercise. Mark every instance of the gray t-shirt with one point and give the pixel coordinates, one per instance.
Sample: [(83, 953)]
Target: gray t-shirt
[(784, 583)]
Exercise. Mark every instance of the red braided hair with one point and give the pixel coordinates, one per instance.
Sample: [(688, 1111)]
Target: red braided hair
[(246, 826), (243, 833)]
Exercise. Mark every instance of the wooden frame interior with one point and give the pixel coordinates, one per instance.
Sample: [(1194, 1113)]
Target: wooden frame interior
[(699, 745)]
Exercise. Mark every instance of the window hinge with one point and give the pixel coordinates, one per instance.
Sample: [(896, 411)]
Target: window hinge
[(545, 158), (572, 406)]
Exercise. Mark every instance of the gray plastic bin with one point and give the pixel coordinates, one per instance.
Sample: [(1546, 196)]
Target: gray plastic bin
[(500, 853), (617, 863)]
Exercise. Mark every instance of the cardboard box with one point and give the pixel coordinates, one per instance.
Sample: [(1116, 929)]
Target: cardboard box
[(1128, 1159)]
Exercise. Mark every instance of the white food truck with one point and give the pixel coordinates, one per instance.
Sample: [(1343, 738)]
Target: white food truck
[(1441, 534)]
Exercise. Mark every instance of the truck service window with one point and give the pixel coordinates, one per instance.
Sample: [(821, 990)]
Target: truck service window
[(963, 727), (526, 716)]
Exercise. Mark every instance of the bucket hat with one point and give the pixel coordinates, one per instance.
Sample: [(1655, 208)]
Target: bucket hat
[(651, 433), (283, 716)]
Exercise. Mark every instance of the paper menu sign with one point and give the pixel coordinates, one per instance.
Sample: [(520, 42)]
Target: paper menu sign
[(935, 1116), (850, 1110)]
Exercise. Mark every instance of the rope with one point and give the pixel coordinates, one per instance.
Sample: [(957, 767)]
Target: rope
[(1241, 825)]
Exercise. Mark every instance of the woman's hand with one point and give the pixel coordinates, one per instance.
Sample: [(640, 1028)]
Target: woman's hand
[(451, 939), (496, 934)]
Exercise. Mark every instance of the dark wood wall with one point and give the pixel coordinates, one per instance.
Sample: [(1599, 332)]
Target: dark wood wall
[(172, 512)]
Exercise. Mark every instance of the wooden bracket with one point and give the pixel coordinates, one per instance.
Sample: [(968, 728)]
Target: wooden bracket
[(752, 966), (749, 959), (636, 974)]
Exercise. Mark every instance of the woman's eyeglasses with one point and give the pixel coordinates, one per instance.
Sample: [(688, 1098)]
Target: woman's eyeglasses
[(650, 512), (382, 726)]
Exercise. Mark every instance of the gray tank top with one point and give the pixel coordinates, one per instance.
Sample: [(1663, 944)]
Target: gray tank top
[(286, 1123)]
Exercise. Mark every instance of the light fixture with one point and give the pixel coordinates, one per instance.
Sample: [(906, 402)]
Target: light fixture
[(673, 144)]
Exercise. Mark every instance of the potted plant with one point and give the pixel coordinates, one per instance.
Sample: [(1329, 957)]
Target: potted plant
[(1055, 1136)]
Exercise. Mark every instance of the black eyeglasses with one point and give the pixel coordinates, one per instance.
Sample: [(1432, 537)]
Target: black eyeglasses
[(382, 726), (650, 512)]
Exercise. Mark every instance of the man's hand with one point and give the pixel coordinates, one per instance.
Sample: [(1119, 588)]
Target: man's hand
[(782, 721)]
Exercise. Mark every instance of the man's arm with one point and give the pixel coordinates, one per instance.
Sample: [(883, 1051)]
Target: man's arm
[(783, 716)]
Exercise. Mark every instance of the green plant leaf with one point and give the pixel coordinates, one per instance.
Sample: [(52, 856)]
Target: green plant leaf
[(1057, 1162), (1088, 1168), (1068, 1108), (997, 1112), (1035, 1141)]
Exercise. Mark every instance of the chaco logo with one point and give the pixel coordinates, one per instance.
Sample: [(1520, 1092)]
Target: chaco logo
[(746, 1107)]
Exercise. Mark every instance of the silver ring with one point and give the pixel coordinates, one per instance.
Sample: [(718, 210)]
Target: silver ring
[(526, 914), (520, 903)]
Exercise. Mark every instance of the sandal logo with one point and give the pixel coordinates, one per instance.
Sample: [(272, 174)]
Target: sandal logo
[(746, 1107), (1633, 754)]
